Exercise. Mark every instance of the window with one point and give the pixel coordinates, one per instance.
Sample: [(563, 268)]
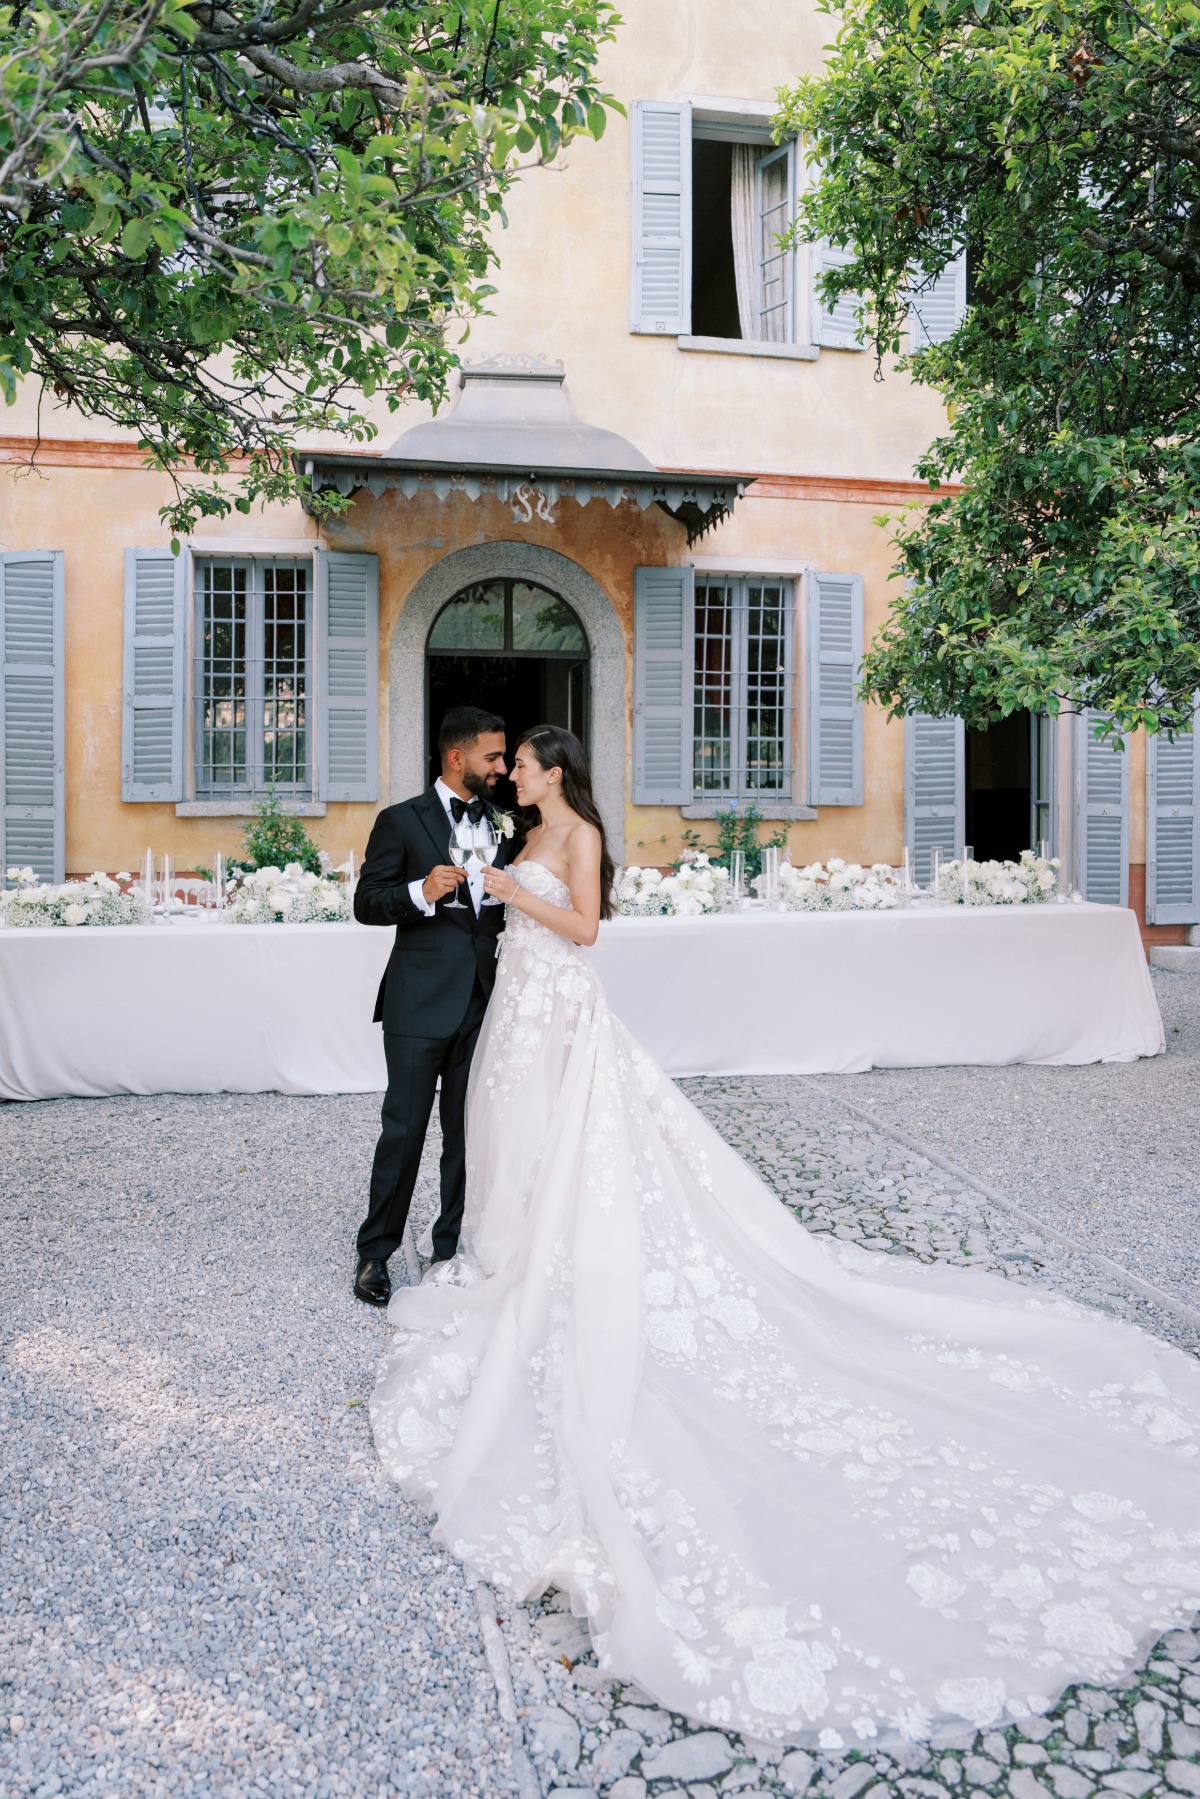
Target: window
[(742, 689), (743, 283), (715, 678), (511, 616), (248, 672), (252, 677), (712, 196)]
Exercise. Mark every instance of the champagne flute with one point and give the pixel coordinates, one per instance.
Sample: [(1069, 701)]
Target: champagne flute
[(462, 847), (487, 847)]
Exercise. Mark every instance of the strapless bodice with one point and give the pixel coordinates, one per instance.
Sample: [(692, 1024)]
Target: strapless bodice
[(537, 879), (524, 933)]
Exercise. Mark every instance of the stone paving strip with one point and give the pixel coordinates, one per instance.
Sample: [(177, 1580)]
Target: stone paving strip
[(207, 1586)]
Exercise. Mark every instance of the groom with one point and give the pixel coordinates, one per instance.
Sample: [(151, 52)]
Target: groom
[(436, 988)]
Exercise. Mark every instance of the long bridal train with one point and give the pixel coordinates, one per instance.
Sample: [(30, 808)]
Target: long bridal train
[(798, 1490)]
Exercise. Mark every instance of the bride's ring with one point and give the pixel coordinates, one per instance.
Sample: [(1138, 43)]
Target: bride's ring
[(491, 880)]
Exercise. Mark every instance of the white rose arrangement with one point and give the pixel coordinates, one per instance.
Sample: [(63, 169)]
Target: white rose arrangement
[(697, 886), (98, 900), (1032, 880), (840, 886), (505, 824), (285, 896)]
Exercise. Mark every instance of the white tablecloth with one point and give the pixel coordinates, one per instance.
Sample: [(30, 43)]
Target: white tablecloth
[(190, 1008), (836, 993), (246, 1008)]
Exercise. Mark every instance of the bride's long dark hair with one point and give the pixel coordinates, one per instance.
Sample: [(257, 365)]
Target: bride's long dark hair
[(553, 747)]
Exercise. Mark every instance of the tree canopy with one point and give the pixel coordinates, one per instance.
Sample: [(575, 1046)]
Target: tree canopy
[(1057, 142), (224, 223)]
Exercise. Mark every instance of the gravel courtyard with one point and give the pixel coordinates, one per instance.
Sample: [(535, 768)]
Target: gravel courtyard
[(208, 1587)]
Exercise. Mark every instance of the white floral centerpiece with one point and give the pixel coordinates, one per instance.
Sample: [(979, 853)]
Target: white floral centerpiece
[(98, 900), (638, 892), (285, 896), (1030, 881), (697, 886), (840, 886)]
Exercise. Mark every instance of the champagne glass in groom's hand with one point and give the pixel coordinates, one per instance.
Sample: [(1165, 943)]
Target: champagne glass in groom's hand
[(461, 849)]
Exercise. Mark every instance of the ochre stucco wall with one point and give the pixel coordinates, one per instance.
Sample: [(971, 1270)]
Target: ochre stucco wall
[(563, 289)]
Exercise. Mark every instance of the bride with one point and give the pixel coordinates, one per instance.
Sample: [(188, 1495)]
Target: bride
[(796, 1489)]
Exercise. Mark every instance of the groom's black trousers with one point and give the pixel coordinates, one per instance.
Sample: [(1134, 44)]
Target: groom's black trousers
[(414, 1065)]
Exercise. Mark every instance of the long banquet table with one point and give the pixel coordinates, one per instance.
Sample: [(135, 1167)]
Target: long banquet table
[(204, 1008)]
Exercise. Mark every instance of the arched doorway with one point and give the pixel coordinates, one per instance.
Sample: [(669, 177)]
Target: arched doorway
[(513, 647), (608, 687)]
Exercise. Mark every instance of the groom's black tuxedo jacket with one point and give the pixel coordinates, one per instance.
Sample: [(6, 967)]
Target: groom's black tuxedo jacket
[(431, 972)]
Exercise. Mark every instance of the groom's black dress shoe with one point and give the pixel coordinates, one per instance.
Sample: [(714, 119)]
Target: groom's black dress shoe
[(372, 1283)]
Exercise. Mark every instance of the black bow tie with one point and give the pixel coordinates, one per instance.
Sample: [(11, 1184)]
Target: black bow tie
[(472, 809)]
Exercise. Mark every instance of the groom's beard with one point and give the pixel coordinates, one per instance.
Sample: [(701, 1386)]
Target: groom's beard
[(482, 786)]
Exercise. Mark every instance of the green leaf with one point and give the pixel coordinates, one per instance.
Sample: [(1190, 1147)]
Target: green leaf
[(136, 238)]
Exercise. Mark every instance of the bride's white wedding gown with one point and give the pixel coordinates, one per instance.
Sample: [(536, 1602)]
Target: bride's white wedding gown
[(797, 1489)]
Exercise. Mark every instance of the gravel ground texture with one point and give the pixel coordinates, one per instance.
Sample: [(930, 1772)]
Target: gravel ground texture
[(1109, 1153), (206, 1584)]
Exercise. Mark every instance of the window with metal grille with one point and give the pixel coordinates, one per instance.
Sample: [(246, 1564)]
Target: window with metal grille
[(253, 677), (743, 688)]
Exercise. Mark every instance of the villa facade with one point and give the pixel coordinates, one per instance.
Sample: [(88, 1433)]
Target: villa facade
[(651, 513)]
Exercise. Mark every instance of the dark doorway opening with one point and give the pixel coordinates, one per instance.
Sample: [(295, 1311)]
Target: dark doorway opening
[(514, 649), (1000, 810), (714, 284)]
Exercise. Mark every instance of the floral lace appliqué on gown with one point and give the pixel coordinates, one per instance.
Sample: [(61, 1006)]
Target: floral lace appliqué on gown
[(797, 1489)]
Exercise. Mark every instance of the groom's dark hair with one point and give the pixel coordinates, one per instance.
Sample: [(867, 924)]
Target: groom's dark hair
[(462, 725)]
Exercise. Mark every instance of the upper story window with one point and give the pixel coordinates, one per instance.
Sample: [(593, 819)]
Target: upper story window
[(253, 678), (712, 197)]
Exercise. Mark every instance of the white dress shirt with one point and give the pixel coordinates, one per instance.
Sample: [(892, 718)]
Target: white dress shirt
[(474, 869)]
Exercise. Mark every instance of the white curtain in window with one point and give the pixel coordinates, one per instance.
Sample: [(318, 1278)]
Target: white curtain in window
[(744, 221)]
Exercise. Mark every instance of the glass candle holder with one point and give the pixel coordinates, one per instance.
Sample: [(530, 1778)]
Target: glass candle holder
[(770, 874)]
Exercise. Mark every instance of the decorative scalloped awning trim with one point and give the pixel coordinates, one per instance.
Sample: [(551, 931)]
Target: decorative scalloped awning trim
[(699, 501)]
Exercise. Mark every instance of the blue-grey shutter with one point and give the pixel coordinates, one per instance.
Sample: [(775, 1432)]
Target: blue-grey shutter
[(31, 713), (835, 716), (152, 722), (1102, 814), (660, 288), (934, 788), (836, 327), (346, 587), (936, 307), (664, 636), (1173, 829)]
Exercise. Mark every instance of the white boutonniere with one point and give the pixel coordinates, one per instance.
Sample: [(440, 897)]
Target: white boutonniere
[(505, 823)]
